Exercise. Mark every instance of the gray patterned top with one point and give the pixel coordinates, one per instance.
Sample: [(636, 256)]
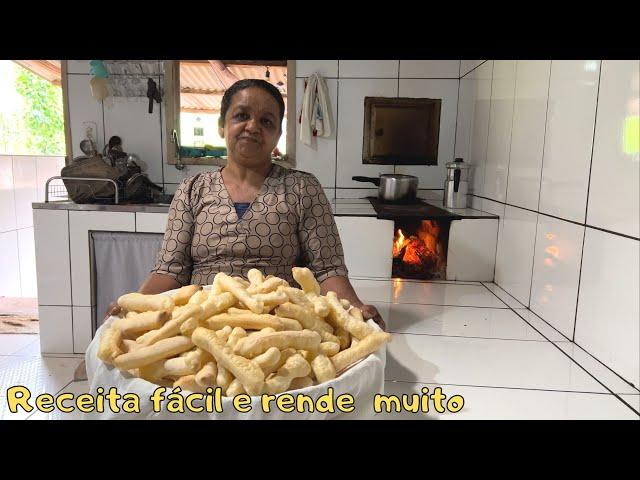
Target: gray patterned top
[(288, 224)]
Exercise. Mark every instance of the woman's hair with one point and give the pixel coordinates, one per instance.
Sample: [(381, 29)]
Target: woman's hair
[(248, 83)]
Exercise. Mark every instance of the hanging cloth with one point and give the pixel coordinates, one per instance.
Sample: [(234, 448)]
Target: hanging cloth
[(315, 115)]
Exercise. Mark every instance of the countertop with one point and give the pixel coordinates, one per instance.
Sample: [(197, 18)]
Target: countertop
[(342, 207)]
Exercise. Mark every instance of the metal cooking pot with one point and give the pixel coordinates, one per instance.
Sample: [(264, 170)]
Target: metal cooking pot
[(393, 187)]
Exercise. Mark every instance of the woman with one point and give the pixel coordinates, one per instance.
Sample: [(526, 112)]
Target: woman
[(251, 213)]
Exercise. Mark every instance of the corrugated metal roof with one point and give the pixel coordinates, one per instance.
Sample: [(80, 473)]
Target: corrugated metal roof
[(201, 90)]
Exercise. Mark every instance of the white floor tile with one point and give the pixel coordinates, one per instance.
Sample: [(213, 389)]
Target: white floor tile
[(543, 327), (633, 400), (482, 403), (38, 374), (31, 350), (504, 296), (398, 291), (485, 362), (12, 343), (76, 388), (5, 414), (456, 321), (595, 368)]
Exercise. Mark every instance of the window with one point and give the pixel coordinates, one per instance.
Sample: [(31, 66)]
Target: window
[(31, 113), (193, 93)]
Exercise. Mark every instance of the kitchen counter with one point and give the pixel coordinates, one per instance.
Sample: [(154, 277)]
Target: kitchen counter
[(90, 207), (341, 207)]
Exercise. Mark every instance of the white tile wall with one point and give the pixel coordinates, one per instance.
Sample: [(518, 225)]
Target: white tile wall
[(472, 249), (83, 108), (466, 100), (496, 209), (500, 120), (25, 188), (7, 197), (363, 239), (139, 130), (78, 66), (82, 328), (79, 225), (551, 145), (47, 167), (357, 193), (326, 68), (556, 271), (527, 136), (467, 65), (320, 157), (480, 125), (430, 69), (608, 318), (447, 91), (27, 252), (173, 175), (368, 68), (56, 329), (614, 198), (51, 233), (151, 222), (569, 137), (515, 252), (10, 277), (351, 127)]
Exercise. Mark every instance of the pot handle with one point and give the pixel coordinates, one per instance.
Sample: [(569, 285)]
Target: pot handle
[(374, 180)]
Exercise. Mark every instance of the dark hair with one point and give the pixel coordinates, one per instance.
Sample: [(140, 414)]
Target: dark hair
[(248, 83)]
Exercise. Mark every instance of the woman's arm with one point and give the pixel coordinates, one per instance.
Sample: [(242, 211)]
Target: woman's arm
[(158, 283), (343, 289)]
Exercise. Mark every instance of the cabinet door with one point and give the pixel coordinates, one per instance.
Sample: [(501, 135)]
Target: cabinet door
[(80, 224)]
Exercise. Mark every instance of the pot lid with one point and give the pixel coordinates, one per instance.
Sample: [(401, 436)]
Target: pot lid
[(398, 176), (458, 163)]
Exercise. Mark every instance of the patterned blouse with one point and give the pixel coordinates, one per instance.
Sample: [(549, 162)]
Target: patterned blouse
[(288, 224)]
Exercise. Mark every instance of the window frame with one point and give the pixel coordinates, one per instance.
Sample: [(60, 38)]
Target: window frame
[(171, 96)]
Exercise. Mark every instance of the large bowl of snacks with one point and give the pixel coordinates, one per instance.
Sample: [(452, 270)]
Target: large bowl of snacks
[(237, 349)]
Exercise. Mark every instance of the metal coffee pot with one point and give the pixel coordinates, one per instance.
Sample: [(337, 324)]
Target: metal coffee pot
[(456, 184)]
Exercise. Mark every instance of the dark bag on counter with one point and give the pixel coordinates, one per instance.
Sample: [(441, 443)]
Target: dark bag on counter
[(90, 191), (133, 186)]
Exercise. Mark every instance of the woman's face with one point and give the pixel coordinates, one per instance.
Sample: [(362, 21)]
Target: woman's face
[(251, 127)]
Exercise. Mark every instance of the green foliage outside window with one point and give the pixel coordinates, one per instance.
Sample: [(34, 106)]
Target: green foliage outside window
[(36, 126)]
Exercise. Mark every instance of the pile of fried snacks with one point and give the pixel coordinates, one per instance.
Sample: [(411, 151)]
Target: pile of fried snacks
[(254, 337)]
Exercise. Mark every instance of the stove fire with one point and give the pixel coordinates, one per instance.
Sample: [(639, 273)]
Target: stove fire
[(419, 249)]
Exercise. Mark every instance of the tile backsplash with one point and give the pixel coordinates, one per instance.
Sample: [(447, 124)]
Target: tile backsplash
[(550, 147), (333, 160)]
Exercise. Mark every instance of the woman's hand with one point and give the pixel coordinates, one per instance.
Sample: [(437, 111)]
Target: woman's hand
[(112, 309), (369, 311)]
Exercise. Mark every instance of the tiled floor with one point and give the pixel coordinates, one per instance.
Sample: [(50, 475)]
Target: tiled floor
[(470, 339), (476, 341)]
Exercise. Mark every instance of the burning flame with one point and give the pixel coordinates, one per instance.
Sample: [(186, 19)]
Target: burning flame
[(399, 243), (416, 248)]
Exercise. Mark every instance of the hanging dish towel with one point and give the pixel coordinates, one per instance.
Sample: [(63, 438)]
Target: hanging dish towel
[(315, 116)]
